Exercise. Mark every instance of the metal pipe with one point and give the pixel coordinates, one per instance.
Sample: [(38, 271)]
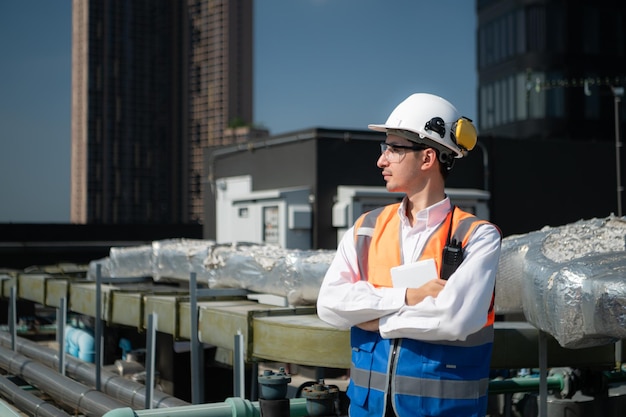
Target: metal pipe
[(197, 350), (66, 391), (524, 384), (27, 401), (13, 317), (555, 381), (232, 407), (239, 366), (543, 369), (150, 358), (618, 92), (131, 393), (61, 331), (98, 328)]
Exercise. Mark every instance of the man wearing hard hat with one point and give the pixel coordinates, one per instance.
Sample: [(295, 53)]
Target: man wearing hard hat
[(414, 281)]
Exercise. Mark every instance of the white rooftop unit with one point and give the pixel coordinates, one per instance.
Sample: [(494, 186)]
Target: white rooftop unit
[(278, 216)]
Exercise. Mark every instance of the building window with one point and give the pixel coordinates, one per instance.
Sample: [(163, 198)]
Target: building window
[(515, 98), (486, 107), (521, 97), (591, 31), (536, 28), (537, 96), (555, 98)]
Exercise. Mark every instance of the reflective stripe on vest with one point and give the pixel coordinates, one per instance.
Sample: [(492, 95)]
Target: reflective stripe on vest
[(423, 387)]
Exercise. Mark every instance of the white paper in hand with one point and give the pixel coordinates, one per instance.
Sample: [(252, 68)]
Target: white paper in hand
[(414, 275)]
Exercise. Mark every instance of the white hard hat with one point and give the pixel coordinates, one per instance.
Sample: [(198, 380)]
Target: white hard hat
[(433, 121)]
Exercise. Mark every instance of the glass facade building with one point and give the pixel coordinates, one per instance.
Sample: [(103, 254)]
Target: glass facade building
[(154, 84), (547, 68)]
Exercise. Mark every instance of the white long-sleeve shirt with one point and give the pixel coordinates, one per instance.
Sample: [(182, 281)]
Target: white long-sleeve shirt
[(459, 310)]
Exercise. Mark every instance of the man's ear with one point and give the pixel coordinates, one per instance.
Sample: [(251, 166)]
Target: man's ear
[(429, 156)]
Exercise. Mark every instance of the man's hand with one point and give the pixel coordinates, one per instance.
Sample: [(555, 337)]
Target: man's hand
[(370, 326), (431, 288)]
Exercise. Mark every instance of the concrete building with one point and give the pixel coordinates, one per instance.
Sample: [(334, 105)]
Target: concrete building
[(154, 84)]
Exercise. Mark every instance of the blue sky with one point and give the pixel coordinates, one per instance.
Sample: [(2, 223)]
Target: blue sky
[(318, 63)]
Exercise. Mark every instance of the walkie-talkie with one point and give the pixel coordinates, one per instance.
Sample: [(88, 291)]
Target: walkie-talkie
[(452, 253), (452, 258)]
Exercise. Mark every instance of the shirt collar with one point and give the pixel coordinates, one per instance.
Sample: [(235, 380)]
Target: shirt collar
[(428, 217)]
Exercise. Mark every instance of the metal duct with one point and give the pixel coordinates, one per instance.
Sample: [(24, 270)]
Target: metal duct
[(66, 391), (130, 392), (27, 401), (291, 273), (569, 280)]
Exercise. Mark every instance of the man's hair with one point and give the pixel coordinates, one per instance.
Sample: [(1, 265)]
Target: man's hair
[(446, 162)]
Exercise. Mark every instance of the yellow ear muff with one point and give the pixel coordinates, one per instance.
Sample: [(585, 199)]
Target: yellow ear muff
[(465, 134)]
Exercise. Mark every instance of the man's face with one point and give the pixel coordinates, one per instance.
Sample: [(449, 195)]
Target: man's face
[(400, 165)]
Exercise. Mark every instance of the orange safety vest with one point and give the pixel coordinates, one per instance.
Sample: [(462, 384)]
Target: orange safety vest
[(377, 238)]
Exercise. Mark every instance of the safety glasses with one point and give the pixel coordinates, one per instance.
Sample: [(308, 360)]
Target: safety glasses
[(395, 153)]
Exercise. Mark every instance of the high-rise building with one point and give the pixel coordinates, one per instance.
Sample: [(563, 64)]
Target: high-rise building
[(550, 69), (154, 84)]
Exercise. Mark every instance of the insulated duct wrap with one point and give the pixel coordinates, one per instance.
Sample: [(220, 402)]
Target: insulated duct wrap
[(131, 261), (177, 258), (568, 281), (510, 276), (294, 274), (169, 259), (574, 282)]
